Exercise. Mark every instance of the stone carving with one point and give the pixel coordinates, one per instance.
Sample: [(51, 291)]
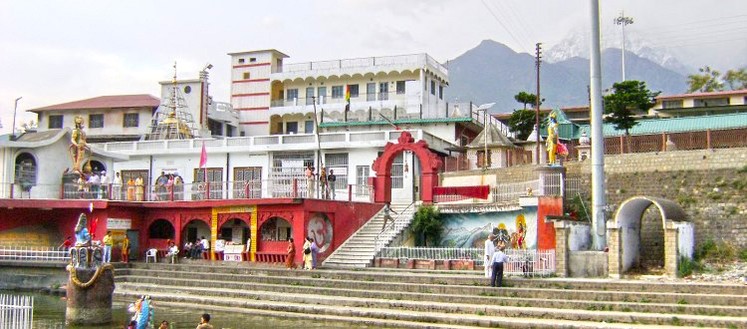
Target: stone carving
[(79, 150)]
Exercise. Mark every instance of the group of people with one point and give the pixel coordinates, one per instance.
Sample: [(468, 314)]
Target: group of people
[(195, 249), (168, 184), (326, 183), (102, 186), (94, 185), (310, 253), (494, 260)]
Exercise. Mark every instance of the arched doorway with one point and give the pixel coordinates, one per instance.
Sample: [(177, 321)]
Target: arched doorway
[(234, 230), (429, 165), (161, 229), (276, 229), (25, 172), (96, 166), (194, 230), (649, 232)]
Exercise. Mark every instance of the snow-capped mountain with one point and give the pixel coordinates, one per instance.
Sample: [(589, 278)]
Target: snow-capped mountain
[(578, 42)]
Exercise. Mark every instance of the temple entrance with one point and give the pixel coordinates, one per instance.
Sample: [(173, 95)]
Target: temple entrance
[(427, 170), (648, 236)]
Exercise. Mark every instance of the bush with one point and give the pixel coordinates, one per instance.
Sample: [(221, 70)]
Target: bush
[(743, 255), (686, 266), (715, 252)]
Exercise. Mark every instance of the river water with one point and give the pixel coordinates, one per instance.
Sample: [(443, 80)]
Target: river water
[(49, 313)]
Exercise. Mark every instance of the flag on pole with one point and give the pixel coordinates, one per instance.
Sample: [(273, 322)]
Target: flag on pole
[(347, 98), (203, 156)]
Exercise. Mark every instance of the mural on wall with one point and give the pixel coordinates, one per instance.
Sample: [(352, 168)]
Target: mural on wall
[(320, 229), (517, 229)]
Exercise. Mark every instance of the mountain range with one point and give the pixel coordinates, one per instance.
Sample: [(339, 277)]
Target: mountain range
[(493, 72)]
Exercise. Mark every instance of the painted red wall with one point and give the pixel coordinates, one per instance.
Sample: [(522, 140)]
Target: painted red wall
[(545, 230)]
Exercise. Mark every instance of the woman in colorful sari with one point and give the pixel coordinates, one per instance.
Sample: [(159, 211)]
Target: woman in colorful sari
[(289, 260)]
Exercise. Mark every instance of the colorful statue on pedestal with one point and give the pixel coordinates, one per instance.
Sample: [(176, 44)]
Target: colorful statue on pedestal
[(79, 150), (552, 139)]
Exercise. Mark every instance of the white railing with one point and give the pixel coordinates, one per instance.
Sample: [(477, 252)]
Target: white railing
[(414, 61), (512, 191), (400, 222), (37, 254), (528, 262), (16, 312)]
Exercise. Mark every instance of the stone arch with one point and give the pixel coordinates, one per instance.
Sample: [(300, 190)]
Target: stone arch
[(195, 229), (625, 234), (429, 162), (234, 229), (161, 229)]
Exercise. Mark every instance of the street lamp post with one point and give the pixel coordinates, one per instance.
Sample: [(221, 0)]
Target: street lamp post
[(623, 20), (15, 109)]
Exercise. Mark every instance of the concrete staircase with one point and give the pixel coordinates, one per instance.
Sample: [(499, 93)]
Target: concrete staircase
[(359, 250), (376, 297)]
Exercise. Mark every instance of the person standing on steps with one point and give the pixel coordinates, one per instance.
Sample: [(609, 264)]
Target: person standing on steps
[(331, 179), (126, 249), (204, 322), (290, 262), (307, 254), (108, 243), (489, 251), (387, 215), (498, 259)]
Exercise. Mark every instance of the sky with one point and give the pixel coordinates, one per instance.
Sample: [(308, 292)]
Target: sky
[(54, 51)]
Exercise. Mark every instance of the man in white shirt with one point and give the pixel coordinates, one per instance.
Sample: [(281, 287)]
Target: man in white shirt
[(105, 181), (117, 187), (205, 245), (489, 251), (498, 259), (94, 182)]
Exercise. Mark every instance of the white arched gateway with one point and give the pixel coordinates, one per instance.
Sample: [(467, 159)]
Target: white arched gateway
[(677, 237)]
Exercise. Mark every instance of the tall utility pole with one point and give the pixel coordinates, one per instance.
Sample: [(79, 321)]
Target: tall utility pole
[(598, 198), (622, 20), (537, 61)]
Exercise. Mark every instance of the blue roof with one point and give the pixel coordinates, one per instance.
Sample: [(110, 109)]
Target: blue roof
[(675, 125)]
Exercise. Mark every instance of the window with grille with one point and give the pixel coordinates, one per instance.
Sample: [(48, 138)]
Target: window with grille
[(215, 183), (247, 182), (55, 122), (291, 94), (354, 92), (339, 163), (400, 87), (337, 92), (96, 121), (383, 91), (398, 172), (361, 179), (433, 87), (370, 92), (481, 159), (131, 120), (675, 104), (309, 95)]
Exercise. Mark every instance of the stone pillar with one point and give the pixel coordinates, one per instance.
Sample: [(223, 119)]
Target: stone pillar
[(671, 245), (89, 295), (561, 248), (614, 260)]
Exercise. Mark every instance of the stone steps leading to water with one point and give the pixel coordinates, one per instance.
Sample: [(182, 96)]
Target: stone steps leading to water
[(412, 298)]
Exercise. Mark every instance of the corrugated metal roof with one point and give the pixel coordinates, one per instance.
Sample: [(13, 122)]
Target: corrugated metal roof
[(676, 125), (105, 102)]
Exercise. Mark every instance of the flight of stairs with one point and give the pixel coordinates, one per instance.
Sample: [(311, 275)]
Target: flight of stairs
[(388, 298), (359, 250)]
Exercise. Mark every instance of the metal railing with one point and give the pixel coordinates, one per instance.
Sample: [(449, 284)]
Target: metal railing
[(16, 312), (527, 262), (36, 254), (399, 222)]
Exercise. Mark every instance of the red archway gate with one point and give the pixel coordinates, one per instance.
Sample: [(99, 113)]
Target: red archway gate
[(429, 162)]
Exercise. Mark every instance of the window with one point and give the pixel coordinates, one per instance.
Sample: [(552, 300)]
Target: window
[(131, 120), (440, 92), (214, 177), (241, 60), (433, 87), (25, 175), (55, 122), (246, 75), (711, 102), (252, 59), (339, 163), (292, 94), (229, 131), (96, 121), (383, 91), (370, 92), (321, 93), (353, 90), (215, 127), (308, 127), (481, 159), (337, 92), (309, 95), (400, 87), (361, 180), (398, 179), (276, 229), (247, 182), (187, 89), (291, 127), (677, 104)]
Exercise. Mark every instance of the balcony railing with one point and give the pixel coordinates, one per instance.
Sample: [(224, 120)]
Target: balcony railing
[(368, 63)]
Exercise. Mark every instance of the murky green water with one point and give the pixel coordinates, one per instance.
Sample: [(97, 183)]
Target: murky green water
[(49, 313)]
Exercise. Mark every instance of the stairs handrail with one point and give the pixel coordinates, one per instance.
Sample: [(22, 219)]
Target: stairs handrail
[(396, 221)]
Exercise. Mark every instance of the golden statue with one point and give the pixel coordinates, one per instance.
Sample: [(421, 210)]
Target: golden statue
[(79, 150), (552, 139)]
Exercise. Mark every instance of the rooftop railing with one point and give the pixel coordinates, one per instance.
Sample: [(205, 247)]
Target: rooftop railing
[(415, 61)]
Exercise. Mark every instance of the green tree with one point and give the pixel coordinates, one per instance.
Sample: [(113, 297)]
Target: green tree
[(736, 79), (427, 226), (526, 98), (522, 123), (628, 97), (708, 80)]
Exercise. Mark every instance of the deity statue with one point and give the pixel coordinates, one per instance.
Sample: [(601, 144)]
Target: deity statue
[(79, 150), (82, 237), (552, 138)]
